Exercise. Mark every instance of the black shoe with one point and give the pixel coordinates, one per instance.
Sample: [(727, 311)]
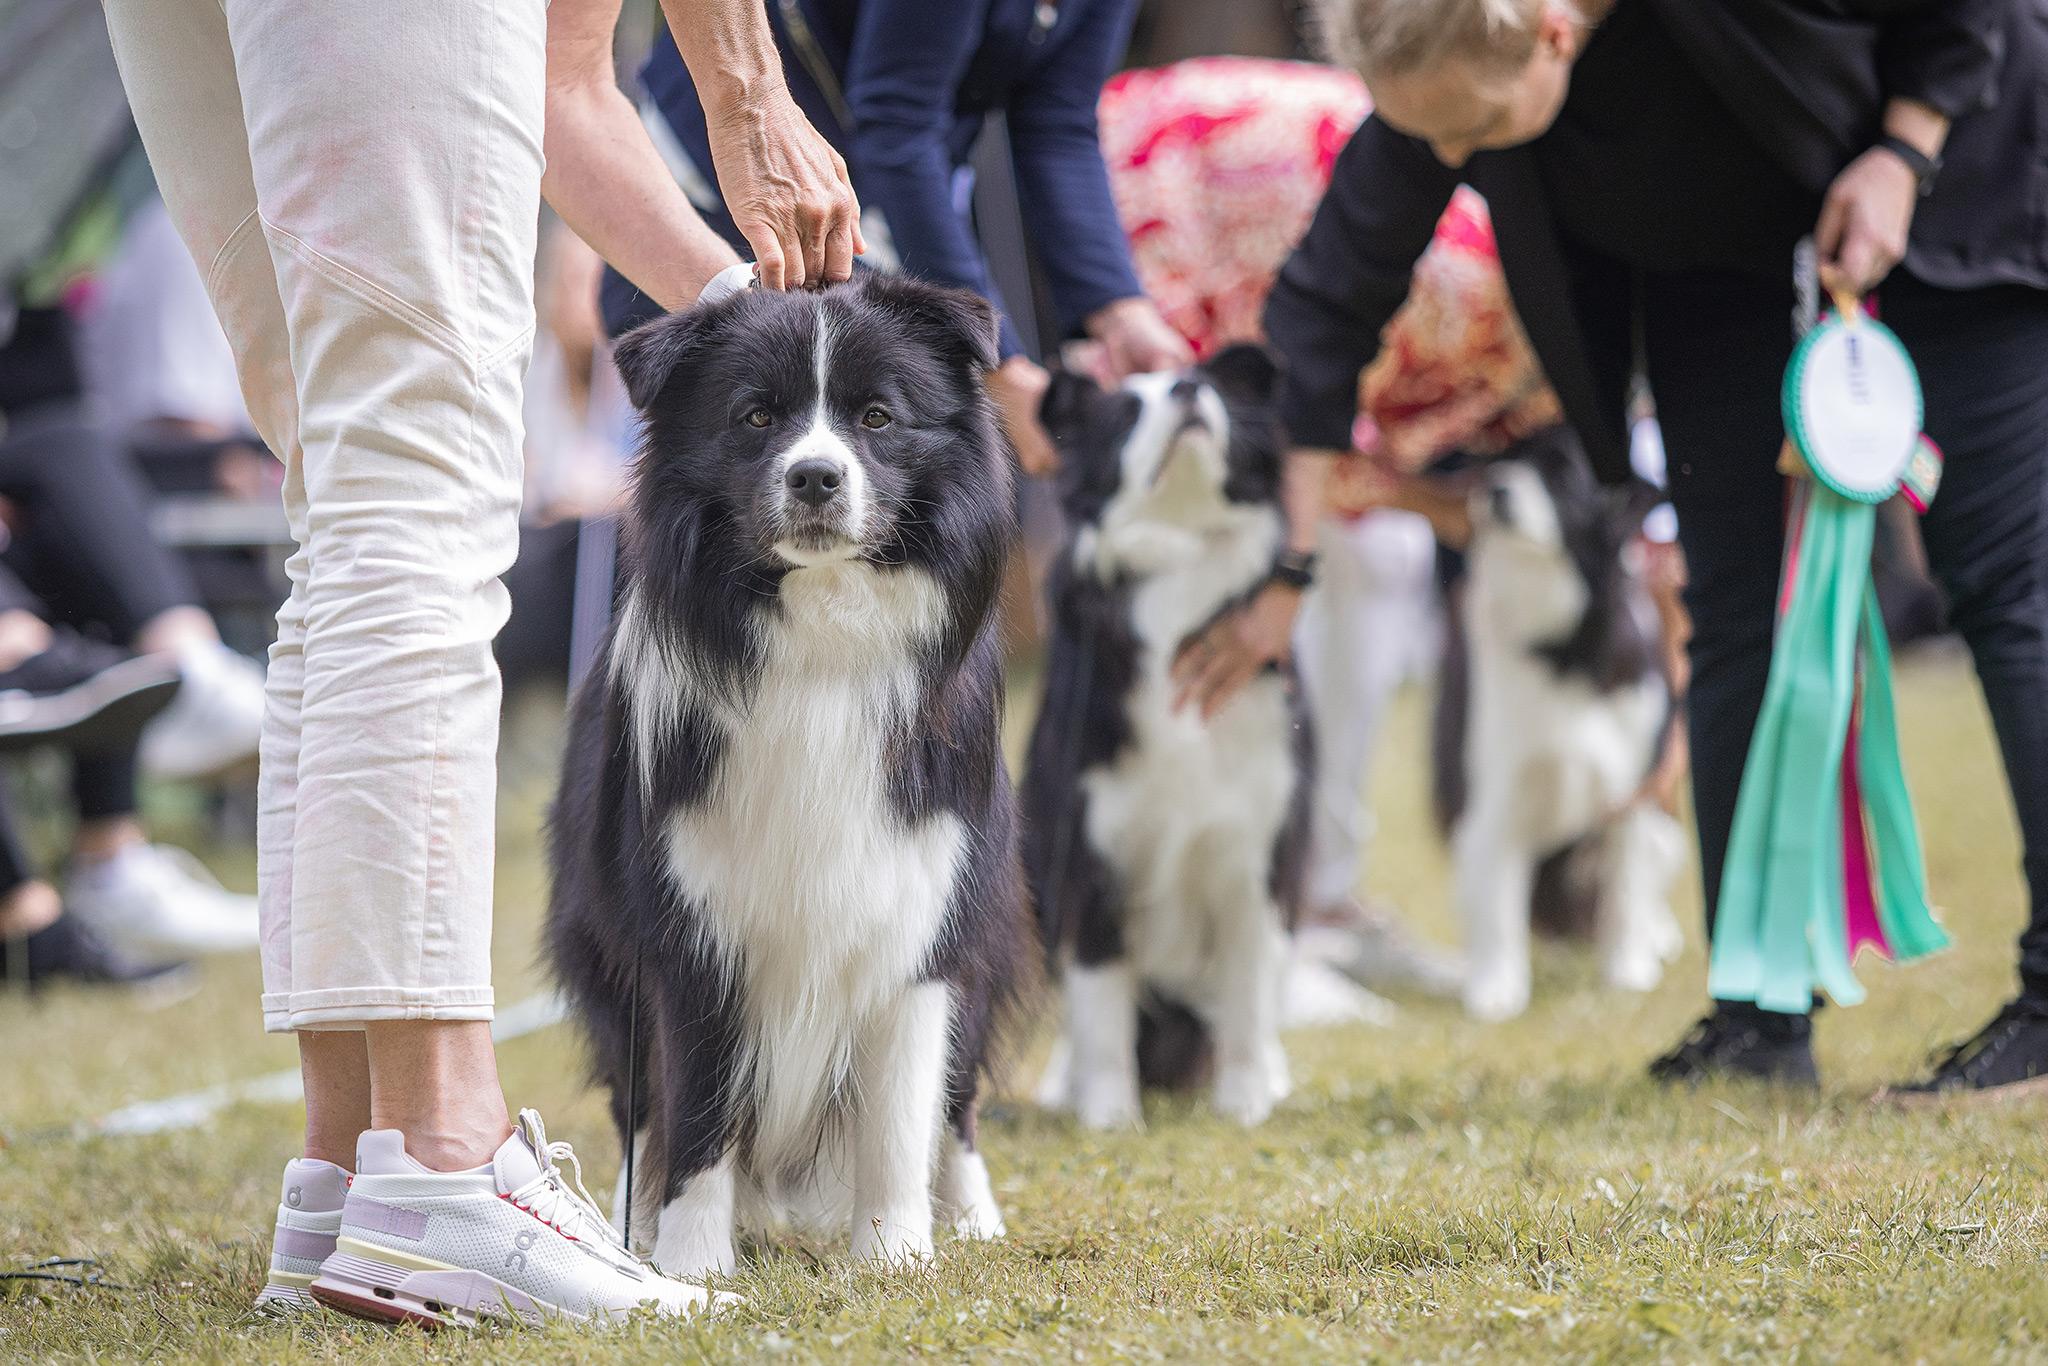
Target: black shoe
[(2005, 1060), (85, 696), (1753, 1044), (67, 950)]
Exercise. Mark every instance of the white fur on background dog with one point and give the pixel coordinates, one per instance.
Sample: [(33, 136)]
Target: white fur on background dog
[(1192, 807), (1550, 759)]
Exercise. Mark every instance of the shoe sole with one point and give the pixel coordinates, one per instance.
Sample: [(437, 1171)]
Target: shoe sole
[(286, 1292), (397, 1287), (1964, 1097), (107, 711)]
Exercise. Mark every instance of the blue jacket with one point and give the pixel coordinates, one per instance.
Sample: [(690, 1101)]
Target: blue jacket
[(901, 88)]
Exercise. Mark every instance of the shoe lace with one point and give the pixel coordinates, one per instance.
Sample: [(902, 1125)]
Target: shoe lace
[(559, 1199)]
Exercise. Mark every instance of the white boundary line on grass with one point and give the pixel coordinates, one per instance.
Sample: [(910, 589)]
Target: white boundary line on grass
[(193, 1108)]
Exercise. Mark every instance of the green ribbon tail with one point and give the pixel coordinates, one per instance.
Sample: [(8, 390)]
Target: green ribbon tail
[(1778, 930), (1902, 907)]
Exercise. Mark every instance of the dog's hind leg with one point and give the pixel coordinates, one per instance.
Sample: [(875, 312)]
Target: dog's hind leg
[(1494, 874), (964, 1191), (900, 1068), (1102, 1027), (1641, 853)]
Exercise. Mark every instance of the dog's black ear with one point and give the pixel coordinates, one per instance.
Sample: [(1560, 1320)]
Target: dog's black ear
[(649, 354), (1246, 373), (956, 321), (1066, 397)]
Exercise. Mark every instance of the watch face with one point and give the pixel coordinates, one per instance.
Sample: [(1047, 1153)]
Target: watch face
[(1852, 403)]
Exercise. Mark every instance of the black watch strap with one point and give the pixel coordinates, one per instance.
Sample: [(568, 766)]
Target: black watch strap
[(1295, 568), (1924, 167)]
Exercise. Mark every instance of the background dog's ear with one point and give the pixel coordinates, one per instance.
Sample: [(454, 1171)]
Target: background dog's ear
[(1066, 397), (650, 353), (1246, 372), (957, 321)]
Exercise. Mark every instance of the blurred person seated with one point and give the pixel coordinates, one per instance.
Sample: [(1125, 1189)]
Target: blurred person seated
[(902, 89), (80, 552), (59, 689)]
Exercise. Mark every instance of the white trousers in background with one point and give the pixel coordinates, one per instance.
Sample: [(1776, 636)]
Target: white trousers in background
[(359, 185), (1369, 624)]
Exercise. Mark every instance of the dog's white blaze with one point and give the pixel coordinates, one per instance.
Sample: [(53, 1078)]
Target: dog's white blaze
[(1550, 760), (1190, 813), (817, 896), (822, 441)]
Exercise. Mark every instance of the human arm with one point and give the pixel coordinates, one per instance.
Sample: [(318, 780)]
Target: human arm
[(1334, 297), (1936, 62), (1214, 665), (1063, 186), (786, 188), (604, 176)]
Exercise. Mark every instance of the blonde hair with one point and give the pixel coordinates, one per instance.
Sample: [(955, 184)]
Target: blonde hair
[(1400, 37)]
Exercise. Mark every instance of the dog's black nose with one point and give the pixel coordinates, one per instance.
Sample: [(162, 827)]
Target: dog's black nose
[(1501, 504), (1185, 390), (815, 482)]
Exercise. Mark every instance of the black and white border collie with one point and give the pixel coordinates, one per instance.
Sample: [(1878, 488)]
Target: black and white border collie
[(784, 820), (1165, 851), (1565, 710)]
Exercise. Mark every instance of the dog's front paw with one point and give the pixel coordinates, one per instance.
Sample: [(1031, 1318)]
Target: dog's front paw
[(1496, 995), (1667, 941), (893, 1239), (981, 1222), (1244, 1094), (1108, 1102), (1637, 970)]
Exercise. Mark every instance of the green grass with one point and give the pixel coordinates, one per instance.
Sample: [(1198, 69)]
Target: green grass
[(1438, 1190)]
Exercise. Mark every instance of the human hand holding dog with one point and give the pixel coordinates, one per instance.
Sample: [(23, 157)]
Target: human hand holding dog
[(1018, 386), (1136, 340), (1213, 666), (788, 191)]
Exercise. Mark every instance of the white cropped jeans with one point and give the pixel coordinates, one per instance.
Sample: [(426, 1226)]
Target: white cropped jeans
[(360, 186)]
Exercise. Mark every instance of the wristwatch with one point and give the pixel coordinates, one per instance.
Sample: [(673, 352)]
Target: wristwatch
[(1295, 568), (1924, 167)]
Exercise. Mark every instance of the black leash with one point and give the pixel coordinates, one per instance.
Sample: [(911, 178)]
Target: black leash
[(632, 1096)]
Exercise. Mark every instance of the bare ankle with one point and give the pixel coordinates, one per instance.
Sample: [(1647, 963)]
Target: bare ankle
[(436, 1082)]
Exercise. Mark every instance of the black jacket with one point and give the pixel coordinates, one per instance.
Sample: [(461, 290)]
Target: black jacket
[(1807, 79)]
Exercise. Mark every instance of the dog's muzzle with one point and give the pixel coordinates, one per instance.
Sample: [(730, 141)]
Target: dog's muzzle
[(818, 518)]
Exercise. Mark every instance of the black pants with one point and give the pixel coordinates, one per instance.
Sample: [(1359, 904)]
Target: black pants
[(1714, 346), (82, 556)]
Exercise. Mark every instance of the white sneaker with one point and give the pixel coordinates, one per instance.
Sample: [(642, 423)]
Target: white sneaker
[(153, 902), (308, 1218), (516, 1238), (215, 721)]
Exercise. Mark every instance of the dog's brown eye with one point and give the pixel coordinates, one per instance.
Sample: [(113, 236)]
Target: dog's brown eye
[(875, 419), (759, 418)]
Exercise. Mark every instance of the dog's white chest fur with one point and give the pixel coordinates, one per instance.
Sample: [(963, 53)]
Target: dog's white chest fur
[(823, 901), (1191, 809), (1564, 756)]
